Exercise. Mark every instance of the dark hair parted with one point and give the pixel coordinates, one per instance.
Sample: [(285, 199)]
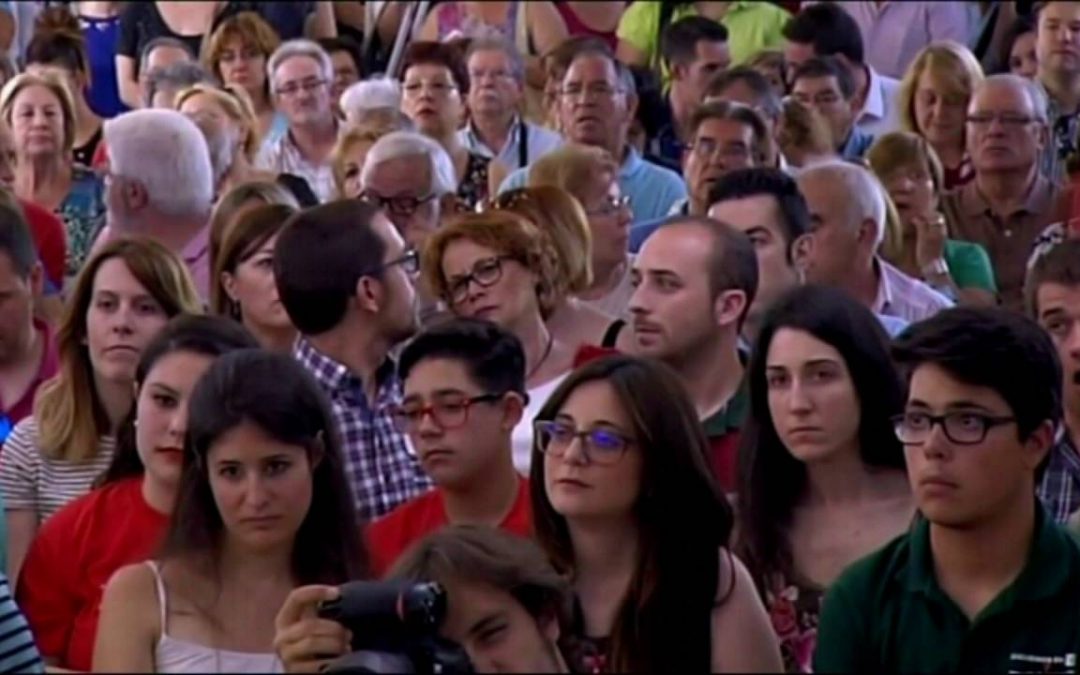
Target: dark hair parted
[(492, 557), (274, 393), (197, 334), (492, 355), (993, 348), (344, 43), (771, 480), (425, 53), (58, 41), (679, 40), (744, 183), (734, 112), (768, 101), (829, 29), (239, 243), (826, 66), (320, 255), (1059, 265), (16, 241), (662, 623)]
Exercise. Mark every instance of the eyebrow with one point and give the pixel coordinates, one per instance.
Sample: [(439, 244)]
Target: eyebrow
[(485, 623), (164, 388), (954, 406)]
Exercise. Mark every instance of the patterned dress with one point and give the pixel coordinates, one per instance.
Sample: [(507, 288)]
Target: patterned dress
[(794, 609), (83, 213), (473, 188)]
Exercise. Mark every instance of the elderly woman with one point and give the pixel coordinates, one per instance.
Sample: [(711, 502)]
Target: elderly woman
[(41, 114), (354, 144), (370, 96), (933, 102)]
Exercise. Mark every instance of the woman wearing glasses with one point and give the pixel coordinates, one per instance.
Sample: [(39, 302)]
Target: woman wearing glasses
[(498, 266), (618, 473), (823, 480)]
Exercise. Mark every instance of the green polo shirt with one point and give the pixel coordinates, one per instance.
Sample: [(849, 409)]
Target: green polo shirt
[(886, 613), (722, 430)]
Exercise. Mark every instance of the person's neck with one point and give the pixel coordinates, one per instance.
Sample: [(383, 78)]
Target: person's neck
[(160, 496), (243, 567), (988, 556), (260, 101), (535, 340), (681, 108), (863, 282), (1005, 191), (172, 232), (486, 499), (361, 349), (607, 275), (697, 207), (493, 128), (604, 549), (86, 120), (116, 398), (842, 480), (1064, 88), (273, 338), (315, 140), (712, 374), (950, 154), (25, 353), (41, 177)]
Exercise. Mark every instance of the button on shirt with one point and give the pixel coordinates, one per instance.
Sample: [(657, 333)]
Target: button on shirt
[(905, 297), (1059, 488), (284, 156), (382, 469), (887, 613), (538, 142), (880, 113)]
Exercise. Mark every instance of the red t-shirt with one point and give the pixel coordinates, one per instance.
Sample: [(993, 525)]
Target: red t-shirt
[(49, 239), (389, 536), (73, 556), (50, 363)]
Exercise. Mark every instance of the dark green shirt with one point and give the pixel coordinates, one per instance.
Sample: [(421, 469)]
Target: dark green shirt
[(887, 614)]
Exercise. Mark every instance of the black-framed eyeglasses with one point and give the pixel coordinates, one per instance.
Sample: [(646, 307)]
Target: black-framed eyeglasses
[(403, 206), (962, 428), (446, 413), (293, 88), (409, 261), (1014, 120), (599, 445), (486, 273)]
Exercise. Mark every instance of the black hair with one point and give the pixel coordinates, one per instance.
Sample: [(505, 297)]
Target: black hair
[(161, 41), (1020, 26), (771, 480), (273, 392), (678, 42), (754, 80), (17, 241), (344, 43), (743, 183), (320, 255), (676, 575), (829, 29), (1059, 265), (492, 355), (826, 66), (58, 41), (993, 348), (206, 335)]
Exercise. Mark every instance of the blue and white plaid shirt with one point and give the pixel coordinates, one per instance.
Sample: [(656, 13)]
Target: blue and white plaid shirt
[(381, 467), (1059, 488)]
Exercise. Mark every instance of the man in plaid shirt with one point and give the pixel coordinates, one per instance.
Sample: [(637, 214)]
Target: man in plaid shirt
[(1053, 298), (345, 278)]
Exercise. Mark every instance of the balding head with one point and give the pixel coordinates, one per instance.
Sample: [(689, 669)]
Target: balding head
[(847, 190), (1006, 127)]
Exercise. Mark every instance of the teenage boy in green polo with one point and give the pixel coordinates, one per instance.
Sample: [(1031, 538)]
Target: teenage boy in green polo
[(985, 581)]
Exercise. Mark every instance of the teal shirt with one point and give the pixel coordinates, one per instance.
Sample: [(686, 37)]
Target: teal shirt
[(969, 265)]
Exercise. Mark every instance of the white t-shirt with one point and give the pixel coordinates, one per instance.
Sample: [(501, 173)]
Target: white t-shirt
[(522, 438)]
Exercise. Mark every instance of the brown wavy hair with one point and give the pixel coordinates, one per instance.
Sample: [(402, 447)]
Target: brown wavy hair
[(246, 236)]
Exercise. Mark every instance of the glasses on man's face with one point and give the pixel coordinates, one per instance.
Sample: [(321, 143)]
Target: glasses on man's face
[(962, 428), (291, 89), (447, 413), (1008, 120), (414, 88), (596, 90), (599, 445), (404, 206), (610, 206), (706, 149), (824, 99), (497, 75), (409, 261), (485, 273)]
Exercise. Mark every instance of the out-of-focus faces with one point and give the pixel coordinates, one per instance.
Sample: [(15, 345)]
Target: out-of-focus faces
[(1057, 41), (939, 112), (302, 91), (9, 157), (709, 59), (37, 121), (911, 188), (402, 187), (1003, 130), (399, 316), (1059, 314), (493, 87), (346, 73), (796, 54), (244, 65), (718, 147), (593, 107), (17, 294), (835, 249), (431, 99), (1022, 59), (609, 221), (164, 55), (823, 95), (352, 162)]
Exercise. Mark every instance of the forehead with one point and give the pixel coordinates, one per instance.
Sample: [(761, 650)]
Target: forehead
[(932, 384), (594, 400), (749, 212), (179, 369), (429, 69), (1052, 296), (465, 252), (438, 374), (792, 346), (114, 275), (590, 68), (1002, 95), (818, 188), (1059, 11), (36, 94), (738, 91), (809, 85), (682, 249), (489, 57), (723, 128), (297, 67), (400, 174), (710, 50)]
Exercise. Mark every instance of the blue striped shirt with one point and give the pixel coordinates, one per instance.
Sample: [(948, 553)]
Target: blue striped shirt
[(18, 653)]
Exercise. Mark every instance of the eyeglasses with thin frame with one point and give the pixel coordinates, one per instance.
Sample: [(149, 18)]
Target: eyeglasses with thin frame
[(602, 446), (610, 205), (706, 149), (438, 89), (597, 90), (404, 206), (1007, 119), (486, 273), (447, 413), (409, 261), (293, 88), (961, 427)]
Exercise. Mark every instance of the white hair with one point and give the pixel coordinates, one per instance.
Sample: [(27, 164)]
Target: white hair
[(294, 48), (862, 193), (375, 92), (167, 153), (1040, 104), (398, 144)]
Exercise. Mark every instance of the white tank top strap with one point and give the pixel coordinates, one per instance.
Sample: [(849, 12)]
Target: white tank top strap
[(162, 596)]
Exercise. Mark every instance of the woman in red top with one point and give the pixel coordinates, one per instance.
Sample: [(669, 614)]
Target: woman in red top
[(123, 520)]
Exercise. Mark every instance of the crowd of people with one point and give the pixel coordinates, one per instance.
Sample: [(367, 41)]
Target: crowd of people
[(689, 336)]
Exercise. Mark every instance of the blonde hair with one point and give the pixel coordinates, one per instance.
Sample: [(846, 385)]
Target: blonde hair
[(506, 233), (947, 62), (575, 168), (56, 86), (560, 218), (375, 123), (237, 106), (70, 415), (802, 128), (234, 200), (247, 27)]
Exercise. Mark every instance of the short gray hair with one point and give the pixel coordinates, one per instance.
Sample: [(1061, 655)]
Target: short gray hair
[(162, 41), (374, 92), (495, 44), (398, 144), (863, 192), (180, 75), (294, 48), (1040, 103)]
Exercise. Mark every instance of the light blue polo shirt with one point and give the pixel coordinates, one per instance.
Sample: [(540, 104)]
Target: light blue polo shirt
[(652, 189)]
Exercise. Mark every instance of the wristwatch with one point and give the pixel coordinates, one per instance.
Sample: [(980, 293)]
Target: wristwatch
[(934, 268)]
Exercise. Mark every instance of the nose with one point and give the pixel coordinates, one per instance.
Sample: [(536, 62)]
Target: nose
[(575, 452), (178, 422), (936, 444), (122, 320), (1072, 340), (427, 426), (256, 492), (798, 400)]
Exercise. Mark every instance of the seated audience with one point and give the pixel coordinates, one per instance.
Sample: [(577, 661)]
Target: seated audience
[(771, 64), (348, 63), (619, 461), (18, 653), (234, 203), (803, 137), (847, 225), (244, 288), (164, 83), (908, 168), (464, 392), (749, 87), (822, 481), (368, 96), (499, 266), (124, 519), (694, 281), (354, 144), (1019, 56), (823, 85), (345, 277), (138, 56), (983, 400), (1057, 76), (120, 301), (262, 506)]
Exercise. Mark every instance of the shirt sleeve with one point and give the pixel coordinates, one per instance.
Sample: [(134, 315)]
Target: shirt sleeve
[(841, 634), (970, 266), (20, 464), (127, 42), (774, 33), (45, 590), (18, 653), (948, 21), (638, 26)]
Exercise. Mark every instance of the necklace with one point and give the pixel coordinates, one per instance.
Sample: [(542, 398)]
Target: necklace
[(547, 352)]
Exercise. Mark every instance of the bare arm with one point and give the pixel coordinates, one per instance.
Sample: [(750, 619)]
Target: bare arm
[(743, 640), (22, 525), (430, 30), (7, 29), (321, 22), (548, 30), (129, 623), (389, 22), (350, 13), (631, 55), (130, 93)]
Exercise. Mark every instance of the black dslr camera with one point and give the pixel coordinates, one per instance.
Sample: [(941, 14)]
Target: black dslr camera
[(395, 627)]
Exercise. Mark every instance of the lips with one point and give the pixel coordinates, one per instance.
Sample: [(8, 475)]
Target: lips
[(646, 328), (937, 483), (121, 349), (171, 455), (260, 521), (572, 483), (436, 454)]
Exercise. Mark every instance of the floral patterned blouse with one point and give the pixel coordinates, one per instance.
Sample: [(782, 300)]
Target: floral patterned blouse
[(83, 213), (473, 188), (794, 609)]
